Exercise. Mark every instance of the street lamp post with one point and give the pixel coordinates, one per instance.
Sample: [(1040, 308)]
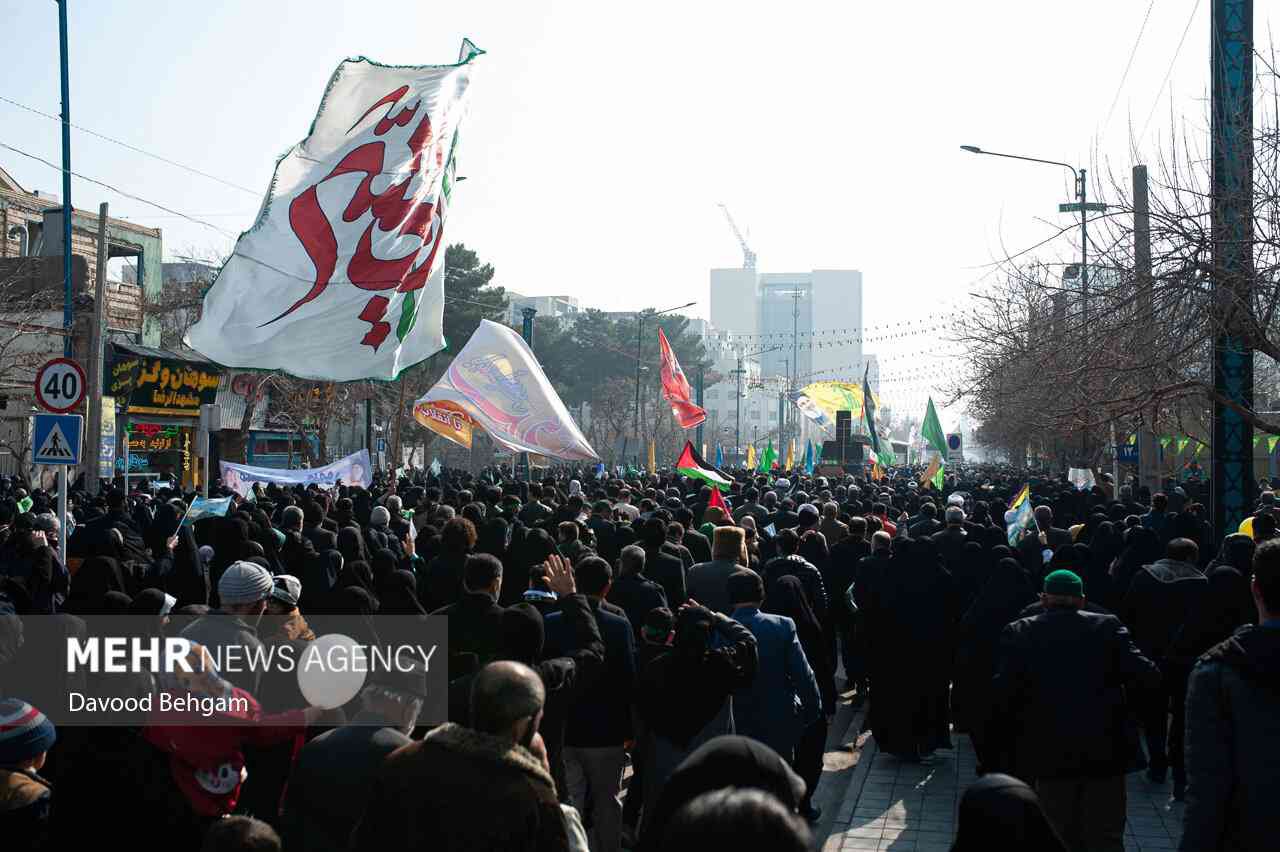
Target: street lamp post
[(640, 315), (737, 434), (1083, 207)]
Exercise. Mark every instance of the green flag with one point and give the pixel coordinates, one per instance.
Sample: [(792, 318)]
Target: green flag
[(768, 457), (869, 413), (1182, 444), (1271, 443), (931, 431)]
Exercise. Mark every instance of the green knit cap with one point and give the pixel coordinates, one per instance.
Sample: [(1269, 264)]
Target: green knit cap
[(1064, 582)]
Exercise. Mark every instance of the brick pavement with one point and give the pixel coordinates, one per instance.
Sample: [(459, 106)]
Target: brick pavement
[(892, 805)]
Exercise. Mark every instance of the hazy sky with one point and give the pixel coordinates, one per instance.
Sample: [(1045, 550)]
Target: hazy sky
[(601, 139)]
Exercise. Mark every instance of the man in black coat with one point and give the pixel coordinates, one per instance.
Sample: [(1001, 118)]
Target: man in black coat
[(635, 593), (699, 545), (604, 530), (1059, 712), (599, 722), (1162, 599), (661, 566), (789, 562), (331, 780), (841, 573), (1233, 728), (475, 621)]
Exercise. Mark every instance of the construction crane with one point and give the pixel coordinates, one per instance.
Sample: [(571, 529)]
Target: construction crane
[(748, 256)]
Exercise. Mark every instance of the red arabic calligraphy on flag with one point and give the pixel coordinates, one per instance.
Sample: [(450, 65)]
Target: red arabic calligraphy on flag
[(675, 388), (341, 276)]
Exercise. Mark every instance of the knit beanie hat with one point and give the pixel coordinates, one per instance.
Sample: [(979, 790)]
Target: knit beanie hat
[(244, 583), (379, 517), (25, 732), (1064, 582)]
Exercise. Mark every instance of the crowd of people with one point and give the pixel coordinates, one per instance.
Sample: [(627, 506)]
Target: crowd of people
[(636, 662)]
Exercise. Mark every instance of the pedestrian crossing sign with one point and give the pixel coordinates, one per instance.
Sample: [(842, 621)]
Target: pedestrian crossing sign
[(56, 439)]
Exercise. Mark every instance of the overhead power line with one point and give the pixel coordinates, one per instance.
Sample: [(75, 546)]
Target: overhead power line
[(1168, 73), (117, 190), (1128, 65), (134, 148)]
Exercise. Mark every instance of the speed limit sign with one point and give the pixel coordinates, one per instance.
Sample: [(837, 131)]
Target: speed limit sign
[(60, 385)]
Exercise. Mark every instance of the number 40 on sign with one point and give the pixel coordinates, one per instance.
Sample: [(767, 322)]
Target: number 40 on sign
[(60, 385)]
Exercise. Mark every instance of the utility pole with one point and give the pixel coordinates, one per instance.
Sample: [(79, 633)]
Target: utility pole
[(1231, 220), (526, 331), (639, 343), (1148, 462), (737, 399), (737, 433), (66, 185), (94, 398), (795, 345)]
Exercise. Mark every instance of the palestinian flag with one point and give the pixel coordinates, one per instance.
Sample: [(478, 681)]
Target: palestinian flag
[(693, 465)]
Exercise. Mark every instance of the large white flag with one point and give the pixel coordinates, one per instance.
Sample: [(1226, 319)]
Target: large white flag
[(342, 275), (497, 383)]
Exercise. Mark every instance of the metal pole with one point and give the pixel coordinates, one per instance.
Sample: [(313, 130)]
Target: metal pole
[(1082, 195), (639, 332), (368, 428), (204, 462), (62, 511), (66, 179), (737, 430), (1148, 463), (93, 395), (1232, 276), (124, 443), (795, 342), (526, 331)]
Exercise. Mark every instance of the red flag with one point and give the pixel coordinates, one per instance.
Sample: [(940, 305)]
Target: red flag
[(675, 388), (717, 500)]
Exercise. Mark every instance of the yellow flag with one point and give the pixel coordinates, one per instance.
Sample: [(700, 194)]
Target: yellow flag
[(935, 467), (791, 454), (751, 456), (652, 465)]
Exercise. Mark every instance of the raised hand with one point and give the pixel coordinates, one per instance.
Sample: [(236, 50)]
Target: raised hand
[(560, 575)]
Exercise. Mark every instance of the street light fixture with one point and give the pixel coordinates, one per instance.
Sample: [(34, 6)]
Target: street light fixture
[(640, 315), (1081, 206)]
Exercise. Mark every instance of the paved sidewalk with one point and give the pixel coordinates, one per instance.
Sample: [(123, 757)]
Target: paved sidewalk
[(892, 805)]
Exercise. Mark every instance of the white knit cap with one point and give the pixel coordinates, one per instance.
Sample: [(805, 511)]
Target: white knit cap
[(380, 516), (244, 583)]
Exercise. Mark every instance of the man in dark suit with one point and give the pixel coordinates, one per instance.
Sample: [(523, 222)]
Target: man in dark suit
[(599, 722), (475, 621), (331, 779), (1059, 712), (842, 570), (313, 530), (928, 524), (661, 566), (1055, 537), (635, 593), (699, 545), (604, 530)]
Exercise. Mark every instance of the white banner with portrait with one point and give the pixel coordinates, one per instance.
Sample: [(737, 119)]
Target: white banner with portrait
[(351, 470)]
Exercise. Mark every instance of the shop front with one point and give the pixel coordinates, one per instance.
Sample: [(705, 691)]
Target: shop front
[(159, 394)]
